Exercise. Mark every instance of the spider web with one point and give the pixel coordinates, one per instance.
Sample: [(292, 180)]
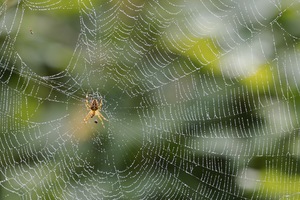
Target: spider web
[(201, 97)]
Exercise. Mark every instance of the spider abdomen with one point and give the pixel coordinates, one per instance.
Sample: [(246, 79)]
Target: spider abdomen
[(94, 105)]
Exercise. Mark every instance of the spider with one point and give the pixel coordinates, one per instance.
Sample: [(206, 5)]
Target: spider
[(94, 108)]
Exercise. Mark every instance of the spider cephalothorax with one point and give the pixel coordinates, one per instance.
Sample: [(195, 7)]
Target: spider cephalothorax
[(94, 107)]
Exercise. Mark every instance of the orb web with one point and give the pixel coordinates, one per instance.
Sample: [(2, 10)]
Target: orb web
[(201, 98)]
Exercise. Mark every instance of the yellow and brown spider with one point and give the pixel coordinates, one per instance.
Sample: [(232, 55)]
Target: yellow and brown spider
[(94, 107)]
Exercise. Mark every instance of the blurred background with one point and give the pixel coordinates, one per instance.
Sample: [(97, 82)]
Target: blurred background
[(201, 96)]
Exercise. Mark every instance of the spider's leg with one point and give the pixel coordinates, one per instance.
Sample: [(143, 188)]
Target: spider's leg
[(100, 116), (100, 104), (87, 104), (89, 116)]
